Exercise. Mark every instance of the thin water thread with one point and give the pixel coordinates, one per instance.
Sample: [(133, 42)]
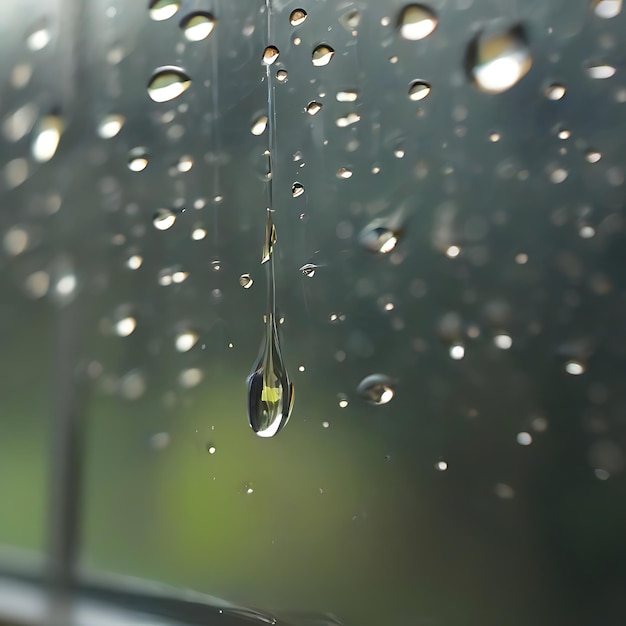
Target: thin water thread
[(216, 130)]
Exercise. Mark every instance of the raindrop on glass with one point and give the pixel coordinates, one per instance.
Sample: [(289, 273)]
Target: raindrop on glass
[(163, 219), (270, 55), (607, 9), (344, 172), (555, 91), (38, 39), (110, 125), (347, 96), (308, 270), (297, 189), (163, 9), (297, 17), (313, 107), (198, 26), (502, 341), (457, 352), (497, 59), (416, 22), (575, 368), (524, 438), (350, 20), (47, 137), (377, 389), (186, 340), (441, 466), (125, 326), (592, 156), (600, 71), (418, 90), (281, 76), (322, 55), (134, 262), (245, 280), (167, 83), (138, 159), (259, 125)]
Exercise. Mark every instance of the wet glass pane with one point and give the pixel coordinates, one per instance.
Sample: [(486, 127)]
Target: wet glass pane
[(440, 278)]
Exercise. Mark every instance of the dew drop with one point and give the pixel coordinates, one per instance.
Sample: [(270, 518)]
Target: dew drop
[(163, 219), (245, 280), (592, 156), (313, 107), (498, 59), (198, 26), (167, 83), (163, 9), (600, 71), (322, 55), (259, 125), (186, 340), (308, 269), (47, 137), (270, 55), (377, 389), (138, 159), (418, 90), (416, 22), (607, 9), (297, 189), (110, 125), (344, 172), (297, 17), (555, 91)]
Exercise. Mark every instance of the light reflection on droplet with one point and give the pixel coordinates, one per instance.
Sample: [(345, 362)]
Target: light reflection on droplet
[(281, 76), (418, 90), (66, 285), (308, 270), (587, 232), (297, 189), (592, 156), (343, 400), (441, 466), (457, 352), (297, 17), (167, 83), (125, 326), (344, 172), (198, 234), (185, 163), (607, 9), (558, 175), (524, 438), (504, 492), (453, 251), (38, 39), (270, 55), (211, 449), (20, 122), (575, 368), (600, 71), (47, 137), (347, 96), (15, 240), (186, 340), (555, 91), (377, 389), (259, 125), (416, 22), (37, 284), (198, 26), (322, 55), (16, 172), (138, 159), (313, 108), (110, 125), (163, 219), (163, 9)]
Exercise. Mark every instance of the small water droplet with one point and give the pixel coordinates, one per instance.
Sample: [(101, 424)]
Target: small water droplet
[(167, 83), (575, 368), (125, 326), (348, 120), (270, 239), (441, 466), (524, 438), (308, 269), (495, 137), (313, 107), (47, 137), (163, 9), (281, 76), (190, 377), (38, 39), (185, 163), (138, 159), (418, 90), (110, 125), (245, 280), (297, 17), (198, 234), (564, 134), (342, 400), (497, 59), (198, 26), (607, 9), (270, 55), (186, 340), (592, 156), (557, 175), (555, 91), (347, 96), (377, 389), (322, 55), (297, 189), (163, 219), (600, 71), (211, 449), (350, 20), (216, 265), (344, 172), (416, 22), (457, 352), (381, 235), (502, 341), (259, 125)]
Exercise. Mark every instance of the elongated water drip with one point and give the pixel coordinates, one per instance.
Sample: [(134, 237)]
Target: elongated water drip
[(270, 392)]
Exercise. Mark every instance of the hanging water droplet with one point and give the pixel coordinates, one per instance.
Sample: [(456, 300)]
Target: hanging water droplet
[(138, 159), (308, 270), (297, 17), (163, 219), (270, 238), (344, 172), (297, 189), (600, 71), (47, 137), (198, 26), (186, 340), (110, 125), (259, 125), (377, 389), (163, 9), (167, 83), (607, 9), (418, 90), (313, 107), (497, 58), (555, 91), (592, 156), (322, 55), (245, 280), (270, 55), (416, 22), (281, 76)]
